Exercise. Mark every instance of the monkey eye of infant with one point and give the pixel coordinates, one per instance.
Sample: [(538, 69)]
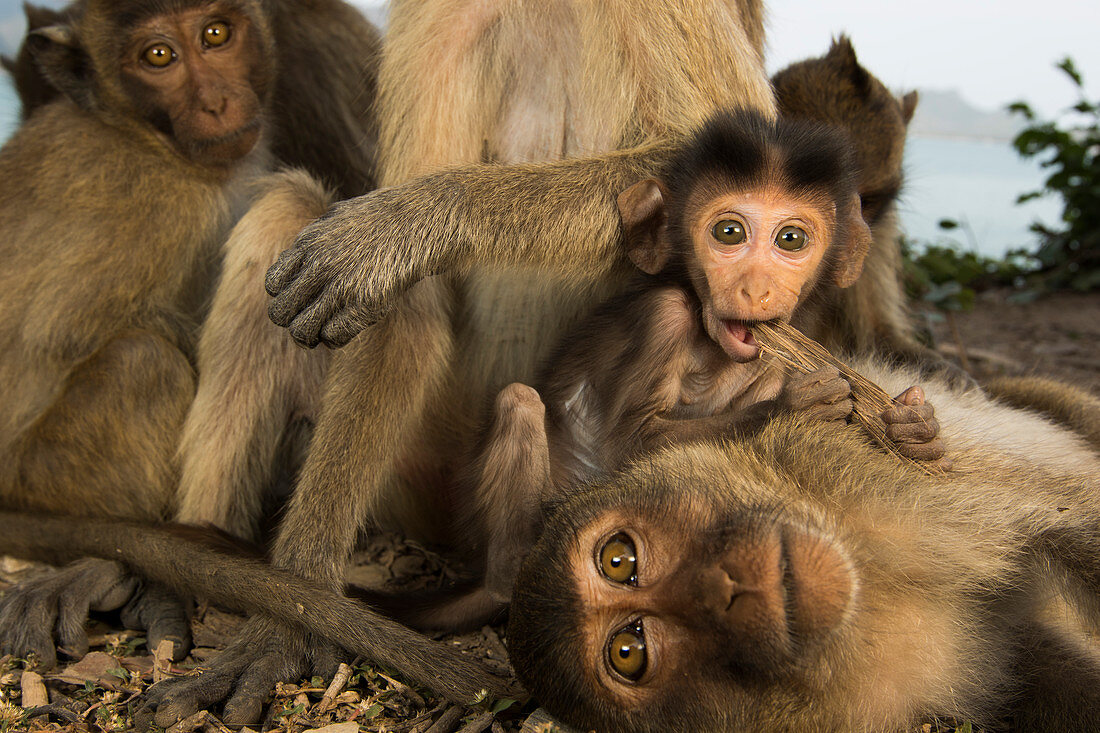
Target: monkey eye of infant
[(159, 55), (215, 34), (729, 231), (626, 652), (791, 239), (618, 560)]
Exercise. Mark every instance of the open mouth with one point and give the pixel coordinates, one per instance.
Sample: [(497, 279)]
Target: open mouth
[(738, 340)]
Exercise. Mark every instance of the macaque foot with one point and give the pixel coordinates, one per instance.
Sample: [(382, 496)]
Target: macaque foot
[(912, 427), (822, 394), (36, 613), (163, 615), (244, 674)]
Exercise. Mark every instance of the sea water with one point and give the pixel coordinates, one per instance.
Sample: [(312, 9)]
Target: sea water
[(976, 183)]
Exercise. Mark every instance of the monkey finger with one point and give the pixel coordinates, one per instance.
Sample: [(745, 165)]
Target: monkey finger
[(346, 325), (913, 432), (304, 291), (832, 411), (913, 396), (26, 628), (933, 450), (908, 414), (817, 388), (305, 328), (284, 270)]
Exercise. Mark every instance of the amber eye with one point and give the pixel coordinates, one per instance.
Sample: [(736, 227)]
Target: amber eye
[(215, 34), (791, 239), (729, 231), (159, 55), (618, 561), (627, 653)]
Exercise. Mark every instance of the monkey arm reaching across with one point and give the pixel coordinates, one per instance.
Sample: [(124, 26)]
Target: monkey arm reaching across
[(348, 268)]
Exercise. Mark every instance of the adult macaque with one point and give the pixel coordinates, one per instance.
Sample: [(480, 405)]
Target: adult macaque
[(115, 200), (801, 580), (321, 116), (837, 90)]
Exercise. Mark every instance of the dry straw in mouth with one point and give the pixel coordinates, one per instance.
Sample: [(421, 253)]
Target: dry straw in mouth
[(792, 349)]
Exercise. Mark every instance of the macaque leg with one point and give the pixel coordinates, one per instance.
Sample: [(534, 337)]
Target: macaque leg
[(105, 447), (253, 380), (514, 481), (913, 428), (389, 373), (513, 478), (1076, 409)]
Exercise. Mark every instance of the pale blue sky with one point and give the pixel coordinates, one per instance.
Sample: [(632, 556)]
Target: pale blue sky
[(992, 51)]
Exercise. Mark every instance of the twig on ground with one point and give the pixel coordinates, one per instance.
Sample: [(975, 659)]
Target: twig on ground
[(33, 689), (447, 720)]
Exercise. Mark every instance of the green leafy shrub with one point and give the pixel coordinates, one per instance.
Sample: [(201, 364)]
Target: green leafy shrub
[(1067, 257)]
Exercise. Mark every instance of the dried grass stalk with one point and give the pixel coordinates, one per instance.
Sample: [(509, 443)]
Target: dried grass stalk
[(792, 349)]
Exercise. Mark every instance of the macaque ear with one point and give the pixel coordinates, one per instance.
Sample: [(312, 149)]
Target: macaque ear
[(63, 61), (645, 225), (856, 244), (908, 106)]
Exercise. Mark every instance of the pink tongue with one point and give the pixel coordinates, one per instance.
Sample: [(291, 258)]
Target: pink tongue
[(740, 332)]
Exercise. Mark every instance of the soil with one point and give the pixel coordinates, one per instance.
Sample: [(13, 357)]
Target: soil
[(1056, 336)]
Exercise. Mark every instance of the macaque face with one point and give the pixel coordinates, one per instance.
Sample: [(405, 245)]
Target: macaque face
[(754, 255), (742, 593), (199, 75)]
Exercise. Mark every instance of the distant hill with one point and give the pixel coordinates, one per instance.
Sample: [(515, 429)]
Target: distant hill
[(944, 113)]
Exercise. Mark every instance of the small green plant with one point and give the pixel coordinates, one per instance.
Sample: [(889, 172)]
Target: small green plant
[(1069, 258)]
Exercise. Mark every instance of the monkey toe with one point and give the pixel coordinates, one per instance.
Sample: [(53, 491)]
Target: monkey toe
[(164, 616), (921, 431), (175, 699), (929, 452)]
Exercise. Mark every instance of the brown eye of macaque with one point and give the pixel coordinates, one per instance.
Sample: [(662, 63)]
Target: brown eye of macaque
[(215, 34), (159, 55), (729, 231), (627, 653), (618, 560), (791, 239)]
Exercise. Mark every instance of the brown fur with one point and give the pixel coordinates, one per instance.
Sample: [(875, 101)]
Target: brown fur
[(112, 242), (906, 597), (181, 557), (836, 89), (463, 83), (1067, 405), (322, 112)]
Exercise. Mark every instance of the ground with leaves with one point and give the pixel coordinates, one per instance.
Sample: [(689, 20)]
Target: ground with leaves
[(103, 692)]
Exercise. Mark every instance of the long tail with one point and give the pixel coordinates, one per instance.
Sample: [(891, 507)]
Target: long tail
[(251, 585)]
